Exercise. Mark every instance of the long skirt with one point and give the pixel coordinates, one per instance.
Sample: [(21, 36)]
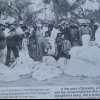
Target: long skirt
[(3, 53), (40, 48), (25, 44), (32, 50), (76, 44), (86, 40)]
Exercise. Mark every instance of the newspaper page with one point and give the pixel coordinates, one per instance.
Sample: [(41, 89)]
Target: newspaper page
[(49, 49)]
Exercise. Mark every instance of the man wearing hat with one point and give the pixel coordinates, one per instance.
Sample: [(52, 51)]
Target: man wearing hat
[(2, 42), (7, 30), (20, 32), (76, 37), (85, 32), (45, 28), (12, 44), (67, 32)]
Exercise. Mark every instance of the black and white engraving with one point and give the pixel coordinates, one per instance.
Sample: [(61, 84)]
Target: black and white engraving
[(49, 42)]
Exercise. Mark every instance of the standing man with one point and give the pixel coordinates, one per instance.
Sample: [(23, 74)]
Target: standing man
[(67, 32), (2, 43), (97, 36), (12, 44), (7, 30), (25, 38), (32, 44), (20, 32), (76, 37), (66, 47), (45, 28), (96, 26), (53, 34), (59, 41), (39, 42), (85, 32)]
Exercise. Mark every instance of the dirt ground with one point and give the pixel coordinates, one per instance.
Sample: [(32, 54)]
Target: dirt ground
[(63, 80)]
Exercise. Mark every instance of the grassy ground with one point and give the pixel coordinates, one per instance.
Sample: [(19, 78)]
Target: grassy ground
[(63, 80)]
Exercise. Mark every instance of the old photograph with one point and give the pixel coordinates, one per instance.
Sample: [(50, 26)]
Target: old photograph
[(49, 43)]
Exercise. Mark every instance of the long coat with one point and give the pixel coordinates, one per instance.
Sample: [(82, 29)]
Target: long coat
[(76, 38), (2, 47), (67, 33), (2, 40)]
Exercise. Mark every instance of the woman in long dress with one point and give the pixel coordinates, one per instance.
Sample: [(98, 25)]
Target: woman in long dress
[(32, 45), (39, 43)]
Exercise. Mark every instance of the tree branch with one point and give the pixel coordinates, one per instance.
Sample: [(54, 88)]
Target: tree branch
[(25, 5), (84, 16), (12, 8)]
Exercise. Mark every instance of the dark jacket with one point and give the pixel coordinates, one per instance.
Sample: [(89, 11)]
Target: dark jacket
[(59, 40), (13, 39), (76, 37), (2, 40), (93, 32), (87, 31), (67, 33)]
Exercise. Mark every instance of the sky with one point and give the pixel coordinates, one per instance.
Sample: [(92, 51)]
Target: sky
[(91, 5), (71, 1)]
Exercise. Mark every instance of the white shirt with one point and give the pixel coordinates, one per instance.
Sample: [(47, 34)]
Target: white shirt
[(97, 36), (52, 40), (39, 33), (44, 30), (6, 32), (19, 30)]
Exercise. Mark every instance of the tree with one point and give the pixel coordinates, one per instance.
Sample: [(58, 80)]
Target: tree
[(63, 7), (3, 6), (93, 14), (18, 7)]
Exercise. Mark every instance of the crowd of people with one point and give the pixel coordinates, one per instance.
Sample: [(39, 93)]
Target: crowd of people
[(41, 40)]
